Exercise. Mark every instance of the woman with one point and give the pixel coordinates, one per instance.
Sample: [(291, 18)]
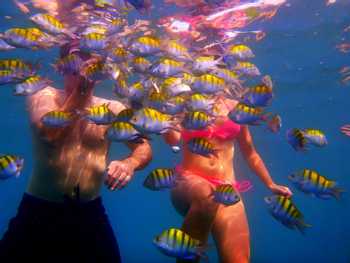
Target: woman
[(200, 175)]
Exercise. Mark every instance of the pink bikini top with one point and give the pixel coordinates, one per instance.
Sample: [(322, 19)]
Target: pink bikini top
[(228, 130)]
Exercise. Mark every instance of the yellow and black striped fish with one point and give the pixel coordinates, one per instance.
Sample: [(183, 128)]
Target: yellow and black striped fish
[(10, 165), (176, 243), (125, 115), (57, 119), (311, 182), (297, 139), (149, 120), (121, 131), (226, 194), (100, 114), (160, 178), (196, 120), (246, 115), (283, 209), (202, 147)]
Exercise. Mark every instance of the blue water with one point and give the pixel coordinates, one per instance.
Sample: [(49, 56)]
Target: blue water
[(300, 55)]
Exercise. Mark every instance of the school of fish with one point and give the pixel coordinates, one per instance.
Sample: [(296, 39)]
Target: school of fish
[(167, 82)]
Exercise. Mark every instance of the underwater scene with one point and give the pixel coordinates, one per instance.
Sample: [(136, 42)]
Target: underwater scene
[(219, 130)]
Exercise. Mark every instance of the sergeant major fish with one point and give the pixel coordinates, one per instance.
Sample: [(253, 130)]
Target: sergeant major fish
[(121, 131), (160, 179), (225, 194), (176, 243), (57, 119), (10, 165), (311, 182), (283, 210), (31, 85)]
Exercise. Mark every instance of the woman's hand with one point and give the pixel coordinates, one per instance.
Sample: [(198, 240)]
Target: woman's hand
[(280, 189), (119, 173)]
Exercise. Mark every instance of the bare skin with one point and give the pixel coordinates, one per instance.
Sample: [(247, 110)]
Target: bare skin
[(203, 216), (66, 157)]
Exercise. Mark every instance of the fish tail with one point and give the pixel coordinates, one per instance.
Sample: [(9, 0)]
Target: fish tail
[(201, 252), (301, 226), (337, 192)]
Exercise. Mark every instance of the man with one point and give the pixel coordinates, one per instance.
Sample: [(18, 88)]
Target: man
[(61, 217)]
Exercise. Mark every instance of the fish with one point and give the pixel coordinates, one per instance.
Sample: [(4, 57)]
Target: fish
[(240, 52), (296, 139), (4, 46), (136, 92), (94, 71), (93, 42), (311, 182), (119, 55), (10, 77), (100, 114), (148, 120), (121, 88), (225, 194), (258, 96), (205, 64), (30, 38), (160, 179), (247, 68), (246, 115), (176, 50), (121, 131), (125, 115), (70, 64), (274, 124), (174, 105), (19, 67), (113, 70), (283, 210), (50, 24), (97, 28), (196, 120), (345, 129), (315, 137), (57, 119), (173, 87), (229, 76), (156, 100), (10, 166), (145, 46), (199, 102), (202, 147), (208, 84), (32, 85), (141, 64), (176, 243), (115, 25), (166, 67)]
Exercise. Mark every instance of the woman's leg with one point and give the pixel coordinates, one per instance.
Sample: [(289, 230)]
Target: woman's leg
[(231, 234), (194, 193)]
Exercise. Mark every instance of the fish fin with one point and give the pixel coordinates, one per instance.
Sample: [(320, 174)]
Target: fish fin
[(337, 192), (265, 117), (301, 226)]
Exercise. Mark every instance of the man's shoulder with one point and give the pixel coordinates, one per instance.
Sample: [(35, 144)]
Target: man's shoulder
[(114, 105), (46, 93)]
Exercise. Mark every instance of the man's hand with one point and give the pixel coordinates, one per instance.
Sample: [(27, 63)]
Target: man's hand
[(119, 173)]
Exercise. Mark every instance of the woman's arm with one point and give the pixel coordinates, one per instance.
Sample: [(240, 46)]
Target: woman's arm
[(256, 163)]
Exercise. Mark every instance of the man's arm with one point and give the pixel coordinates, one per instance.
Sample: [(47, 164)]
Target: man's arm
[(119, 173)]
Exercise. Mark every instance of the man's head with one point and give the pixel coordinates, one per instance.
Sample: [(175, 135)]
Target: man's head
[(74, 81)]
